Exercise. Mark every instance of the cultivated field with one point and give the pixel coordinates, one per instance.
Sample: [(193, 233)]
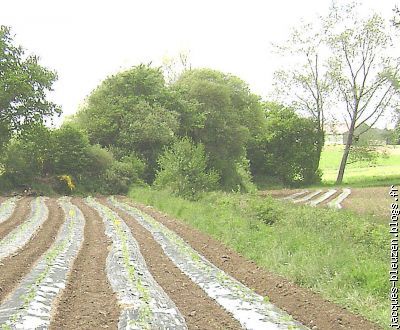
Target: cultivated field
[(371, 201), (107, 263)]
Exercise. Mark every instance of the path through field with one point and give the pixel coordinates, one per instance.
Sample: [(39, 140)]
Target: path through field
[(106, 263)]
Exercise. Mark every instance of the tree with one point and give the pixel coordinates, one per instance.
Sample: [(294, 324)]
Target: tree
[(23, 88), (289, 150), (221, 113), (396, 17), (345, 59), (361, 69), (132, 111), (306, 86)]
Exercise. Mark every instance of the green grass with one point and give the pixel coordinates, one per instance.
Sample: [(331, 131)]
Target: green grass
[(340, 255), (386, 170)]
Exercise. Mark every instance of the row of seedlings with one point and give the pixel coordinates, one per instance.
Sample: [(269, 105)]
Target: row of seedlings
[(144, 304), (30, 305), (18, 237), (250, 309), (7, 208)]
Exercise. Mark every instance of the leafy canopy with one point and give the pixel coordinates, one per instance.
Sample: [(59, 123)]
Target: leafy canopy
[(24, 84), (220, 113), (131, 111)]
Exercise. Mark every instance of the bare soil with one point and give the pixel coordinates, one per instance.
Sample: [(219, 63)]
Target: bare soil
[(303, 304), (199, 311), (88, 301), (20, 214), (373, 201), (15, 267)]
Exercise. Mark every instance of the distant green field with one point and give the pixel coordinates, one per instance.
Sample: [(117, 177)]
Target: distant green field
[(385, 171)]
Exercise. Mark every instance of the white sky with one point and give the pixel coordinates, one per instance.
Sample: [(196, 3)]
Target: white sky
[(85, 41)]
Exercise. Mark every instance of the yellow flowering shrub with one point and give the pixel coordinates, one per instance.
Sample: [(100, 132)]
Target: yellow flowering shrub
[(68, 181)]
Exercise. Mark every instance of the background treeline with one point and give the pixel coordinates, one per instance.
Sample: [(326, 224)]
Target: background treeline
[(205, 131)]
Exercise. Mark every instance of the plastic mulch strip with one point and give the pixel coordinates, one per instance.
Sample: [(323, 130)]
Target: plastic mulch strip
[(30, 305), (144, 303), (250, 309)]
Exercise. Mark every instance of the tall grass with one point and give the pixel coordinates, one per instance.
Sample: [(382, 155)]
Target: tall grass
[(340, 255)]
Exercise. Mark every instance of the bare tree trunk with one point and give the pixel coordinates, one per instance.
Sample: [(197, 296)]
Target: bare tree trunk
[(346, 152)]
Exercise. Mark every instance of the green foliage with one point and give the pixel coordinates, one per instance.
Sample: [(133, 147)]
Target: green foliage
[(340, 255), (220, 112), (122, 174), (183, 170), (289, 149), (39, 157), (70, 151), (28, 155), (266, 213), (99, 159), (365, 154), (23, 87), (132, 111)]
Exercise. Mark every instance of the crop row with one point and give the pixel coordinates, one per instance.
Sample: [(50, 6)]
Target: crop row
[(250, 309), (7, 208), (22, 234), (29, 307), (144, 303)]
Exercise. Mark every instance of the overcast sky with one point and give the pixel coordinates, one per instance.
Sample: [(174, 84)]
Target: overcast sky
[(85, 41)]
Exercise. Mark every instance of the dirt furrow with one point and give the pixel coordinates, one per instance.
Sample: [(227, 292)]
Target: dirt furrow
[(16, 266), (199, 311), (30, 305), (88, 301), (19, 215), (304, 305), (253, 311)]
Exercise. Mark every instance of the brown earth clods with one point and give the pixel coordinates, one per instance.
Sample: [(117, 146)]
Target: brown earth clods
[(88, 301), (20, 214), (199, 310), (16, 266), (304, 305)]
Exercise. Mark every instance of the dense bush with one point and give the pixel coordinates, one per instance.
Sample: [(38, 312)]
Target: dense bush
[(28, 155), (183, 170), (70, 151), (289, 149), (64, 161), (121, 174)]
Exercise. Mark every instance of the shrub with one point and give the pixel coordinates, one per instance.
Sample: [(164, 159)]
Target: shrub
[(65, 184), (70, 151), (183, 170), (292, 147), (266, 212), (121, 174), (28, 155), (99, 159)]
